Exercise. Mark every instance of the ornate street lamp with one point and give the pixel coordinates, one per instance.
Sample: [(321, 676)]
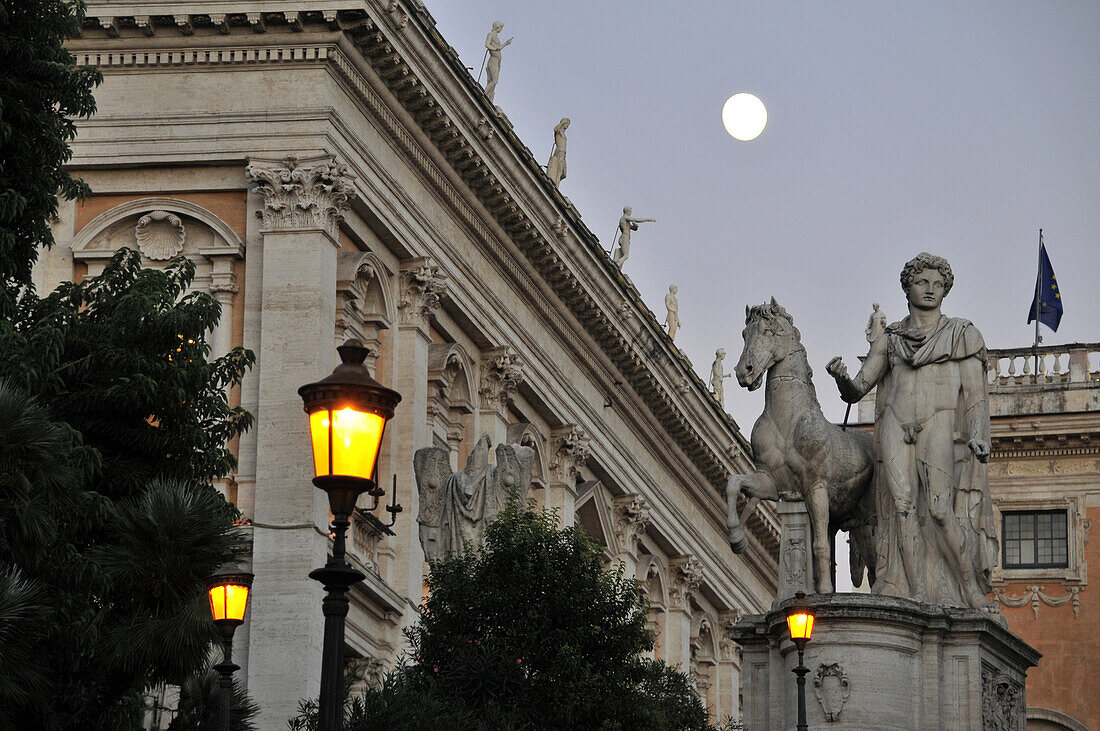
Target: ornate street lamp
[(800, 621), (228, 590), (348, 412)]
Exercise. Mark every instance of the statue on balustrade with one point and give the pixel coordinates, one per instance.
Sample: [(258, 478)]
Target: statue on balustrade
[(455, 507), (936, 534)]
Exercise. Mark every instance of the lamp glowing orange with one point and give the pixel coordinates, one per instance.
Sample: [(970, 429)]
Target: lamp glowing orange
[(228, 601), (228, 589), (345, 441), (801, 624)]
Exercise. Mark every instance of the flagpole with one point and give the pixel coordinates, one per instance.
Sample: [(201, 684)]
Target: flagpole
[(1038, 284)]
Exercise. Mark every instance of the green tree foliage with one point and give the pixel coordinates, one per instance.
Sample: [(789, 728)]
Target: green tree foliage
[(113, 424), (529, 632), (41, 93), (199, 707)]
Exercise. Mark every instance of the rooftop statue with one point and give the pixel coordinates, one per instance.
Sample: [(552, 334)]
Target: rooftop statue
[(876, 324), (494, 46), (627, 223), (555, 167), (799, 454), (718, 375), (672, 311), (936, 535), (455, 507)]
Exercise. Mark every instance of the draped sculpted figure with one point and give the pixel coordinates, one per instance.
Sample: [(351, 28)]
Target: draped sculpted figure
[(455, 507), (936, 535)]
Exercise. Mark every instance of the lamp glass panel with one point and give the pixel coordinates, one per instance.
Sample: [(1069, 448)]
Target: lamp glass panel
[(228, 602), (319, 423), (801, 625), (355, 439)]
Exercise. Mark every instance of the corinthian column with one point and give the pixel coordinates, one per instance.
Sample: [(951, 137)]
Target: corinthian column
[(421, 286), (631, 518), (686, 576), (303, 201), (568, 453)]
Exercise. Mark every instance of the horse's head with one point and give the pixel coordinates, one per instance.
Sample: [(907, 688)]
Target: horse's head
[(770, 336)]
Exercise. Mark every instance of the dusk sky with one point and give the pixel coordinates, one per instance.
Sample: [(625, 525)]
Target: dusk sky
[(958, 128)]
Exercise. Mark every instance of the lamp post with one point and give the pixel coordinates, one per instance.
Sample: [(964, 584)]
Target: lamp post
[(348, 411), (227, 590), (800, 621)]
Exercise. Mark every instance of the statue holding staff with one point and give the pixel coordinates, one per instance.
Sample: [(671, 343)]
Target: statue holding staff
[(555, 167), (494, 46), (936, 535)]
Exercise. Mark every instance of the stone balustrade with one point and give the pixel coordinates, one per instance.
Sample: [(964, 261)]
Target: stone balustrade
[(1077, 363)]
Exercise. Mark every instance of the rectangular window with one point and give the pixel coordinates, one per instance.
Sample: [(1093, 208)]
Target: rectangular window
[(1035, 539)]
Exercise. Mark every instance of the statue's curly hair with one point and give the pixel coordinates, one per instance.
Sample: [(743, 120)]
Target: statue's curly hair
[(923, 261)]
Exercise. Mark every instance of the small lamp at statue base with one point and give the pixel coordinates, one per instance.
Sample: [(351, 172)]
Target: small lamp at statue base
[(800, 622)]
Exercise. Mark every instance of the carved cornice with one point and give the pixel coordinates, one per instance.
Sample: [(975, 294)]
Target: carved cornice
[(501, 374), (310, 193), (569, 450), (631, 518), (687, 575), (422, 285)]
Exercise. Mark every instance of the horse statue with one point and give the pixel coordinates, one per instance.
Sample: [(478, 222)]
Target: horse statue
[(799, 454)]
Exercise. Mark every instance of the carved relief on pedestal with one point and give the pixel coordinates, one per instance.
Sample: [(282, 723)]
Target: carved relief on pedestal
[(501, 373), (831, 689), (687, 575), (422, 285), (312, 193), (1002, 709), (794, 564), (160, 235), (569, 450), (631, 518)]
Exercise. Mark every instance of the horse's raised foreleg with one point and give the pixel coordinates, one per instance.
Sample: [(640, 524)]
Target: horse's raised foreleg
[(758, 486), (818, 504)]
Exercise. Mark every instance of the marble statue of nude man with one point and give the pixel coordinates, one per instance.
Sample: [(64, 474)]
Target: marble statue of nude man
[(556, 167), (937, 541), (494, 46), (672, 314), (627, 223)]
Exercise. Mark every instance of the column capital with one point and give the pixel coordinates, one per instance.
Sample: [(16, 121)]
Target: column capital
[(569, 450), (308, 193), (631, 518), (501, 373), (421, 287), (687, 575)]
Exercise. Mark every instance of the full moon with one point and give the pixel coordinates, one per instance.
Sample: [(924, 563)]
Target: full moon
[(744, 116)]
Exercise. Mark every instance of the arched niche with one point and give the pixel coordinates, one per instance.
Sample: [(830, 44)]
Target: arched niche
[(364, 301), (161, 229), (527, 435), (450, 394)]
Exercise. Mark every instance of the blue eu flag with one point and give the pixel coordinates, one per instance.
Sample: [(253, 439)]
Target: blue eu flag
[(1047, 305)]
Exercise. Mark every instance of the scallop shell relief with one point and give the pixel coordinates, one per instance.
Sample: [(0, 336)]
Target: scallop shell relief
[(159, 235)]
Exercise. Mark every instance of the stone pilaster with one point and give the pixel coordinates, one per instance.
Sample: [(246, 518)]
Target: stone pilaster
[(422, 285), (569, 451), (631, 518), (302, 201), (686, 574), (501, 372)]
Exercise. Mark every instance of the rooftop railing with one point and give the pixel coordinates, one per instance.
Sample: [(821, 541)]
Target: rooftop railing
[(1076, 363)]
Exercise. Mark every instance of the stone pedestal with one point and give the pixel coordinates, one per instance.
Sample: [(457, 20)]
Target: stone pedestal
[(796, 560), (885, 663)]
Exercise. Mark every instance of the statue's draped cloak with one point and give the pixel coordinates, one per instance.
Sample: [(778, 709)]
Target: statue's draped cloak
[(953, 339)]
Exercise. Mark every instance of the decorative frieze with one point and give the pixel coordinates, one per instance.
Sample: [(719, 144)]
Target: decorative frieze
[(1034, 596), (422, 285), (631, 518), (569, 450), (1002, 706), (687, 575), (501, 373), (312, 193)]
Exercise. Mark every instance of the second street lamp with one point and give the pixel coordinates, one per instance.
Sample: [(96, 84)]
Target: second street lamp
[(800, 622), (348, 411), (227, 589)]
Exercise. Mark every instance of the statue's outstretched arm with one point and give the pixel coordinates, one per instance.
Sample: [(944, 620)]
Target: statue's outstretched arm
[(874, 368)]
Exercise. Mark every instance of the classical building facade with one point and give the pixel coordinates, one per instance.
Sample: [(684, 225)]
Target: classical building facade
[(334, 171), (1044, 476)]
